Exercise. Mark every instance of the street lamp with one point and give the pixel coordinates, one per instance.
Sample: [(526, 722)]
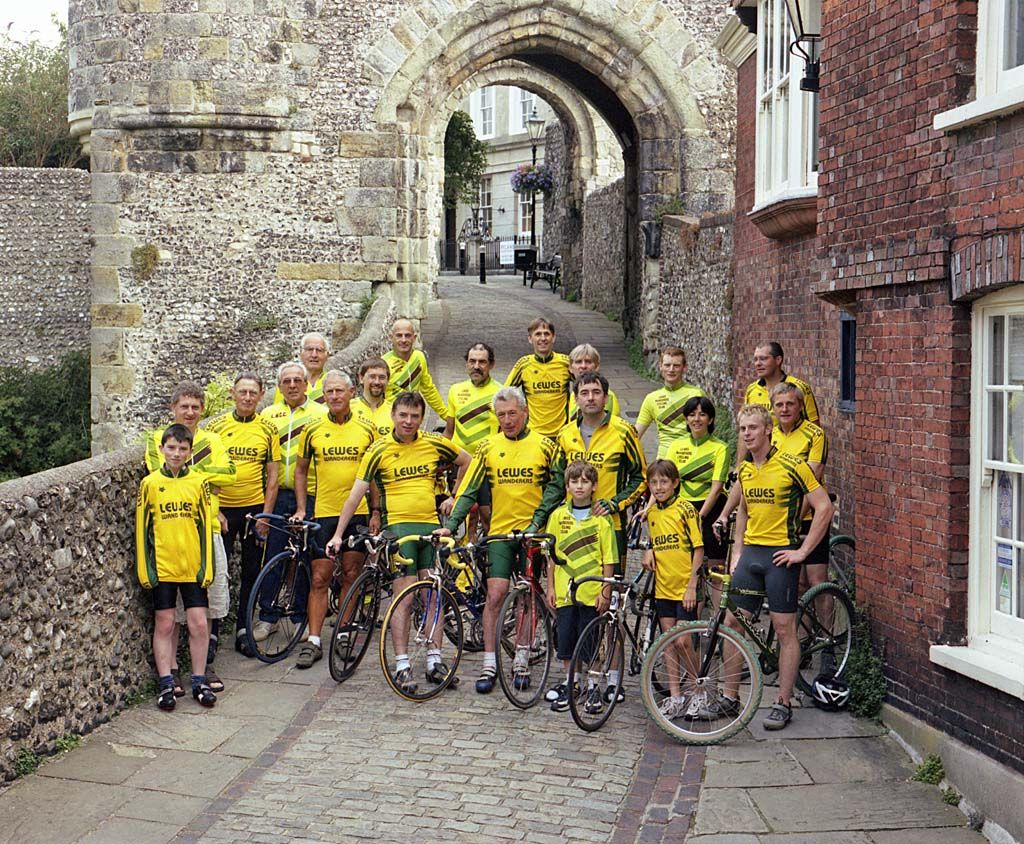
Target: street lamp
[(535, 126), (805, 18)]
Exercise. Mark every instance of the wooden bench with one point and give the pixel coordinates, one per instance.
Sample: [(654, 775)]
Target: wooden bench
[(549, 271)]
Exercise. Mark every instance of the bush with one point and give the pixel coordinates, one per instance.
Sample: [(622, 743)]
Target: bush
[(217, 394), (44, 416), (864, 674), (930, 771)]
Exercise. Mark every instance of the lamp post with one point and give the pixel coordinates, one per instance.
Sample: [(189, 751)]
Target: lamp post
[(535, 126), (805, 18)]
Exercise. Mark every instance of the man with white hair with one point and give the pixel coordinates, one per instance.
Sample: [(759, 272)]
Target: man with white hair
[(313, 353), (408, 367)]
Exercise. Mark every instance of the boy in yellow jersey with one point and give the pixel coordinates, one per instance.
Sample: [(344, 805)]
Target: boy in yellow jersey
[(607, 442), (585, 358), (252, 444), (544, 379), (586, 543), (402, 466), (336, 444), (174, 556), (676, 556), (515, 464), (664, 406), (769, 551), (373, 404), (313, 352), (208, 457), (408, 368)]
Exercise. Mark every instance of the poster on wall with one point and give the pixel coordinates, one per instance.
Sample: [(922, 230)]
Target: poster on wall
[(1004, 577), (507, 253)]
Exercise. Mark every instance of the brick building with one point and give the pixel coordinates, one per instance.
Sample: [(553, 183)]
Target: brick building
[(883, 218)]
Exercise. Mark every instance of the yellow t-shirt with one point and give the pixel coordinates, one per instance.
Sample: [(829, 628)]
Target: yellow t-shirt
[(757, 393), (675, 534), (251, 444), (774, 496), (546, 386), (174, 521), (289, 423), (314, 391), (412, 375), (664, 407), (472, 409), (806, 441), (611, 405), (379, 418), (700, 464), (587, 546), (336, 449), (209, 458)]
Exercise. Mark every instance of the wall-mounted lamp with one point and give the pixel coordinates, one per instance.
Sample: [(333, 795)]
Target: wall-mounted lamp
[(805, 18)]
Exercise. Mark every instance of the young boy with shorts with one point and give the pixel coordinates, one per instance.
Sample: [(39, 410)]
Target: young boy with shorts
[(174, 522), (587, 545)]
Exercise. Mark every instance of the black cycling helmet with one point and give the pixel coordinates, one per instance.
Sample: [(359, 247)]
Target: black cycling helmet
[(829, 693)]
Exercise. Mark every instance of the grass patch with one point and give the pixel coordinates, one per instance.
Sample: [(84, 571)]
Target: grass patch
[(951, 796), (365, 305), (864, 674), (930, 770), (637, 361), (264, 321), (144, 694), (68, 741), (26, 762)]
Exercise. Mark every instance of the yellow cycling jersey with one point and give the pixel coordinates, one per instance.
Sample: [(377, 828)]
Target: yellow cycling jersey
[(664, 407), (314, 391), (758, 393), (611, 405), (700, 463), (404, 474), (545, 382), (380, 417), (517, 471), (251, 443), (774, 496), (336, 449), (290, 422), (412, 375), (174, 521), (675, 535), (806, 441), (209, 458), (586, 545), (472, 408)]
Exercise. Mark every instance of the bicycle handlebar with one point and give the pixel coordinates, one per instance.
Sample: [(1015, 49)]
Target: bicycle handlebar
[(302, 524), (617, 582)]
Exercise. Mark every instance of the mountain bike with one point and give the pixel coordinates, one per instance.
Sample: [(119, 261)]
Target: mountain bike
[(840, 561)]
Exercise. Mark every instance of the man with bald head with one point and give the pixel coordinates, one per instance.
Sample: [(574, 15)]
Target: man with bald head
[(408, 368)]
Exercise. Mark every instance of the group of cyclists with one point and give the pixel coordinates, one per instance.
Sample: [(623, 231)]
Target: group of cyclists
[(546, 450)]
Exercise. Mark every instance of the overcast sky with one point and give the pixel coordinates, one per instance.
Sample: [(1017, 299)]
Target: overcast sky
[(28, 18)]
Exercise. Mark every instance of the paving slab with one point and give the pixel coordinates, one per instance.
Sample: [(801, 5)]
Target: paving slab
[(852, 759), (810, 722), (276, 701), (99, 761), (199, 730), (188, 773), (960, 835), (131, 831), (161, 807), (727, 810), (776, 767), (42, 810)]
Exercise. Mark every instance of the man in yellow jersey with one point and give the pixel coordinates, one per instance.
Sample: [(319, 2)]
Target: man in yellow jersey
[(313, 352), (664, 406), (585, 358), (252, 444), (515, 464), (471, 417), (544, 379), (210, 458), (373, 404), (408, 368), (335, 444), (290, 417), (768, 359), (769, 551), (607, 442), (403, 465)]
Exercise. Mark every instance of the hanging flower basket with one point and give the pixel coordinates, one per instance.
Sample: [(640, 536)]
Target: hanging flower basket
[(529, 178)]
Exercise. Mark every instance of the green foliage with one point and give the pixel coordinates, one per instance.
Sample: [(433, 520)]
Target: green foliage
[(281, 352), (864, 674), (637, 361), (25, 762), (144, 694), (144, 261), (44, 416), (262, 321), (725, 429), (365, 304), (465, 159), (217, 396), (68, 741), (951, 796), (930, 770), (671, 206), (34, 104)]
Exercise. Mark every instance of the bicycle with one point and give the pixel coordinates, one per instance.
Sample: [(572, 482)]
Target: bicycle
[(277, 603), (840, 561), (470, 592)]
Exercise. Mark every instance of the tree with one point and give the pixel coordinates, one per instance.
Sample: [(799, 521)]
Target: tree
[(34, 104), (465, 159)]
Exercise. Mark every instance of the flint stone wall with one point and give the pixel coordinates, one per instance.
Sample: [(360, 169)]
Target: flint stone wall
[(44, 274), (604, 258)]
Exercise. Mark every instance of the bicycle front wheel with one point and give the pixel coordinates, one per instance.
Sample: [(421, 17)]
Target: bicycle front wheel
[(524, 656), (700, 674), (825, 623), (414, 626), (276, 615), (593, 690), (357, 618), (841, 550)]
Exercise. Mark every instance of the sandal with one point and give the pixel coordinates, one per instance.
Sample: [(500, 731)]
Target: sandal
[(165, 700), (778, 716), (204, 696), (213, 681), (179, 690)]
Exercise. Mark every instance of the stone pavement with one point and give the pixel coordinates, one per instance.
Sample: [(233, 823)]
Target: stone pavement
[(289, 756)]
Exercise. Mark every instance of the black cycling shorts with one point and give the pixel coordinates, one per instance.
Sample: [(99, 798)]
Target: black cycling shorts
[(328, 525), (674, 610), (819, 553), (165, 596), (757, 571)]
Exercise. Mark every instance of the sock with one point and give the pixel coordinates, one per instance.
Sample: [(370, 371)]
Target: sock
[(215, 629), (240, 633), (490, 660), (198, 680), (166, 682), (315, 640), (401, 662), (433, 658), (211, 650), (613, 678)]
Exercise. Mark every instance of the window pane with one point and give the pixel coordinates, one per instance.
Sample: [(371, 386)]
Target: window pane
[(1015, 358), (1013, 55), (996, 427), (1019, 592), (996, 329), (1015, 440), (1004, 483), (1003, 591)]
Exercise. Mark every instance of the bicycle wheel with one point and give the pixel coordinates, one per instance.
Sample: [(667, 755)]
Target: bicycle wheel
[(598, 652), (840, 561), (418, 616), (701, 713), (351, 638), (277, 607), (824, 622), (524, 658)]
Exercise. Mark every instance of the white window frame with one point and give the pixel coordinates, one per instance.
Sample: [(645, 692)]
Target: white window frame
[(786, 120), (486, 218), (994, 653), (997, 91), (524, 212), (516, 116), (481, 105)]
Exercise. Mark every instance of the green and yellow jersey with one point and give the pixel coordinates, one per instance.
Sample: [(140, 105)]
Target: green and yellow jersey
[(336, 449), (380, 417), (758, 393), (774, 496), (251, 443), (174, 521), (314, 391), (611, 405), (517, 471), (404, 474), (413, 376), (700, 463), (806, 441), (290, 422), (209, 458), (675, 534), (472, 408), (545, 383), (587, 546), (664, 407)]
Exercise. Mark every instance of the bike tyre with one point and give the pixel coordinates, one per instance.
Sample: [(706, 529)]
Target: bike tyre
[(815, 635), (277, 647), (542, 645), (364, 598), (600, 643)]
